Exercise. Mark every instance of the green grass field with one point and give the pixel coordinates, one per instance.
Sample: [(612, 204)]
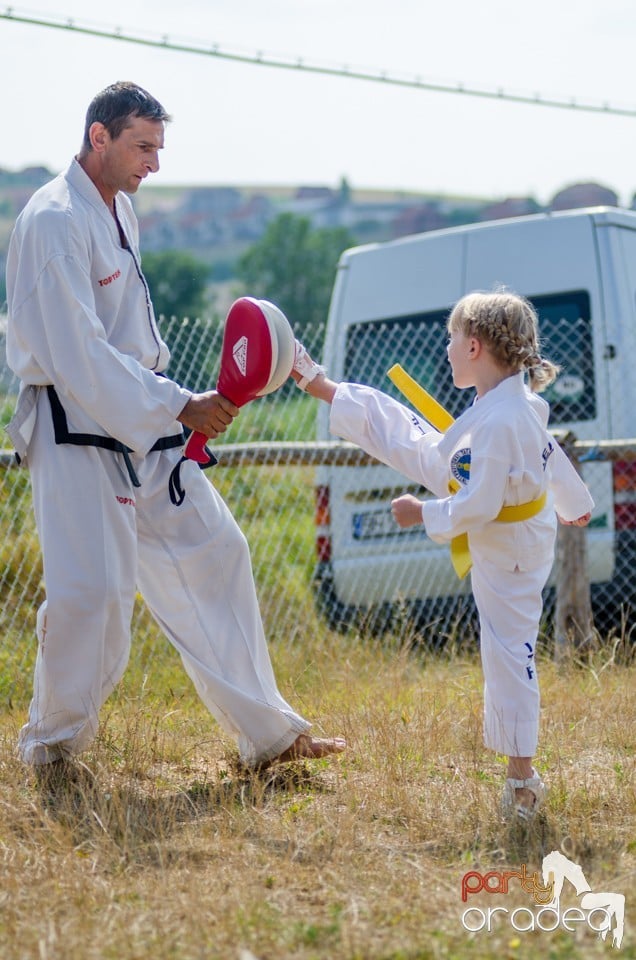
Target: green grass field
[(167, 850)]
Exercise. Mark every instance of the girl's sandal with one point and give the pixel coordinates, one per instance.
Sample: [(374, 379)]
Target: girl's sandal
[(512, 807)]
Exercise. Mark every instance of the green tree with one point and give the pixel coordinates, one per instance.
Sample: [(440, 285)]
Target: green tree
[(294, 266), (177, 282)]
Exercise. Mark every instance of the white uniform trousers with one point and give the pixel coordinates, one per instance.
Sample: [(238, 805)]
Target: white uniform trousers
[(102, 538), (509, 603)]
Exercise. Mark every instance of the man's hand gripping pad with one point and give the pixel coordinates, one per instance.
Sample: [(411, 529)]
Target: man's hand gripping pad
[(257, 356)]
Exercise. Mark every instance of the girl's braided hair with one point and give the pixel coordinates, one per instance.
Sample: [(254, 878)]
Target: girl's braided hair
[(507, 324)]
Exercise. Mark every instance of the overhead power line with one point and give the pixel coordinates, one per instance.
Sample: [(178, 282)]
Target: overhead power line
[(260, 58)]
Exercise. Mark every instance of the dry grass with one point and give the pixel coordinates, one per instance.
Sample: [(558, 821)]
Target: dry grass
[(163, 849)]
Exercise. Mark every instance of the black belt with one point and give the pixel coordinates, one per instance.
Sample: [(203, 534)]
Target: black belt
[(63, 435), (175, 489)]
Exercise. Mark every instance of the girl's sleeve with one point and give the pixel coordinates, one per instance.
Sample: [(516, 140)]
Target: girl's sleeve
[(390, 432), (572, 499)]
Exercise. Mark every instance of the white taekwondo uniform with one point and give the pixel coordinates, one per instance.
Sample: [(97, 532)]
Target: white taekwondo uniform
[(81, 321), (500, 453)]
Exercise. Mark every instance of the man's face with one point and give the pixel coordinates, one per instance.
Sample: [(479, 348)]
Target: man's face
[(127, 160)]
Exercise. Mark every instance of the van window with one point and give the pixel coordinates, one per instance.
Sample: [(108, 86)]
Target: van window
[(418, 342), (566, 338)]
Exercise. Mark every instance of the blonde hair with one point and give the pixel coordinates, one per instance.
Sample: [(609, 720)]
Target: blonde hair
[(508, 326)]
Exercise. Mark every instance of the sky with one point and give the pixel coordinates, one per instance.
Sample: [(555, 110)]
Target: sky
[(245, 124)]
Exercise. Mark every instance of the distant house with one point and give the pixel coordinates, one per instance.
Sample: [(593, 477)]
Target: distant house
[(418, 218), (200, 229), (511, 207), (31, 177), (584, 195), (214, 201), (322, 194), (159, 231), (249, 221), (318, 204)]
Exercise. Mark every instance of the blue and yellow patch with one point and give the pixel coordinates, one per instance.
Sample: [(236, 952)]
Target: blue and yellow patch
[(460, 465)]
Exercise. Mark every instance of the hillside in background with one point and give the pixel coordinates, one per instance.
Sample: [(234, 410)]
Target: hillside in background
[(218, 223)]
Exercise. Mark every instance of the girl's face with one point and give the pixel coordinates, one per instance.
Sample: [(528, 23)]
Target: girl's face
[(461, 352)]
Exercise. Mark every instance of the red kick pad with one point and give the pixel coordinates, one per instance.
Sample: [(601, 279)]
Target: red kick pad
[(256, 358), (249, 352)]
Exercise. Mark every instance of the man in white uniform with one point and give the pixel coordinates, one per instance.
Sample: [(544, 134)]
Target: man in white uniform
[(101, 431)]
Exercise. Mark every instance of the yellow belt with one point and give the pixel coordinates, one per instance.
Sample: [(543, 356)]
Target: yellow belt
[(441, 419)]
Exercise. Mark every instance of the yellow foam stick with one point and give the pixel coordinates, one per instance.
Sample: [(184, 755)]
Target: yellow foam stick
[(431, 410), (435, 414)]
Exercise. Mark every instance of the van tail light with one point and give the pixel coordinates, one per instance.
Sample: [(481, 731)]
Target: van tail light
[(322, 519), (624, 495)]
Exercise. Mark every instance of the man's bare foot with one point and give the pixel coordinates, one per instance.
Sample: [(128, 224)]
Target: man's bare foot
[(527, 798), (306, 747)]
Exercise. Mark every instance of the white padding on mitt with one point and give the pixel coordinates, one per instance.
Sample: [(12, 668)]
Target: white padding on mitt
[(283, 346)]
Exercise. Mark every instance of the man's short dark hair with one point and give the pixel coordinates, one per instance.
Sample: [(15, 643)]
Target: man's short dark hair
[(115, 105)]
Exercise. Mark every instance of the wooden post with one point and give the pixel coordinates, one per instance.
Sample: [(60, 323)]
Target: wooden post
[(573, 615)]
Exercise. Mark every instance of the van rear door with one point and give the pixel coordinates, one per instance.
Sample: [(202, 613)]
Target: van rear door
[(555, 261)]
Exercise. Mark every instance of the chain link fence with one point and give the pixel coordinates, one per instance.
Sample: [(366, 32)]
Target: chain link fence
[(316, 513), (366, 562)]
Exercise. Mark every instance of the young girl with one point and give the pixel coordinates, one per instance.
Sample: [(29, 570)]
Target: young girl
[(497, 454)]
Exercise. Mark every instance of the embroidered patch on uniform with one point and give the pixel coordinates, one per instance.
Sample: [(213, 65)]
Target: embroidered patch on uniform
[(416, 423), (239, 352), (460, 465), (547, 453), (530, 656), (114, 276)]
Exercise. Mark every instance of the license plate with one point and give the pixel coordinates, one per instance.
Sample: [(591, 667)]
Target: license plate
[(377, 523)]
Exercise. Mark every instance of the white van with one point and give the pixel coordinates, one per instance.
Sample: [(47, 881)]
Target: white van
[(390, 304)]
